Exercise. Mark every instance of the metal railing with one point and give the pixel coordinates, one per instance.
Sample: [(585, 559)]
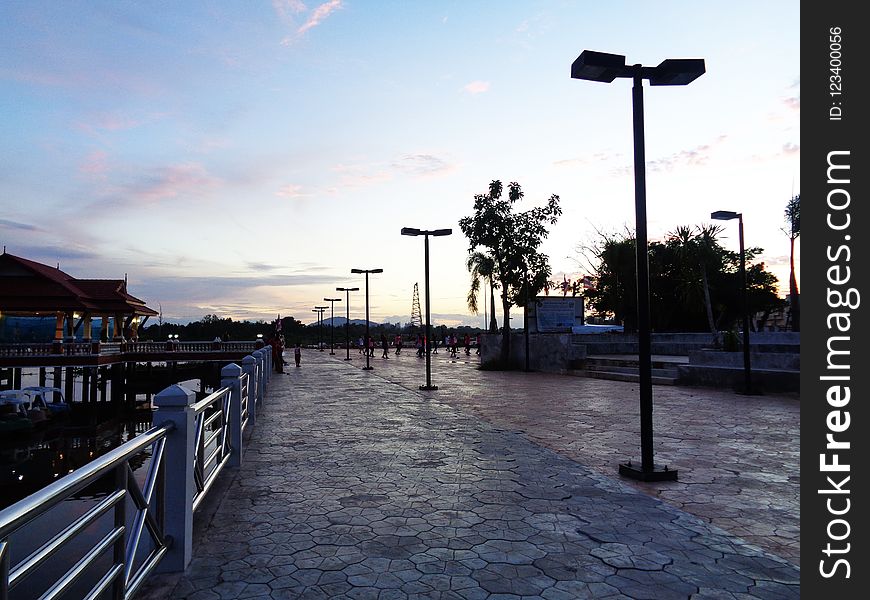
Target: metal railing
[(122, 577), (189, 448), (211, 441), (90, 348)]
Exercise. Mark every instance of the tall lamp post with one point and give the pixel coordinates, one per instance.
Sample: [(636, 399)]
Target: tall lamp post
[(426, 233), (347, 319), (332, 302), (727, 215), (603, 67), (319, 310), (368, 367)]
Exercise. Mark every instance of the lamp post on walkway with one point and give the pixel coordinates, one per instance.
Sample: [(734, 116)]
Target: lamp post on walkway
[(426, 233), (332, 302), (319, 310), (727, 215), (368, 367), (347, 319), (603, 67)]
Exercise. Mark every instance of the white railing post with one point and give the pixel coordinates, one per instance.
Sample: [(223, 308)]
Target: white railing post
[(174, 404), (249, 366), (261, 380), (231, 377)]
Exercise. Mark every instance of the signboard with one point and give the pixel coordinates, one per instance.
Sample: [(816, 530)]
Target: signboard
[(558, 315)]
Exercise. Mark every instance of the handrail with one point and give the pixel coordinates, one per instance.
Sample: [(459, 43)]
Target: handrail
[(20, 513)]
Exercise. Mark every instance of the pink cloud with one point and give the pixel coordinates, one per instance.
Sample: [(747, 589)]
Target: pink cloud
[(477, 87), (291, 191), (320, 13), (95, 165)]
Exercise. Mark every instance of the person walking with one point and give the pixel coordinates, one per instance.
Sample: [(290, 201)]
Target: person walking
[(419, 345), (435, 344), (297, 354), (371, 348), (398, 343), (467, 342), (361, 344), (478, 344), (454, 343), (385, 344)]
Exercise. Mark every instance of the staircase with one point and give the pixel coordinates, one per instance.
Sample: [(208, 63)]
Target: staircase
[(624, 367)]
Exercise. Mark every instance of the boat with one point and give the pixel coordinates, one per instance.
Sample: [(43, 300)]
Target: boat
[(50, 398)]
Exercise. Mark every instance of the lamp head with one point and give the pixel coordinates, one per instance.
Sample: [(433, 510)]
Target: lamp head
[(598, 66), (440, 232), (724, 215), (677, 71), (410, 231)]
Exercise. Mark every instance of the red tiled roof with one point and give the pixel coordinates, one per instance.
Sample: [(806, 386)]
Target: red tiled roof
[(27, 286)]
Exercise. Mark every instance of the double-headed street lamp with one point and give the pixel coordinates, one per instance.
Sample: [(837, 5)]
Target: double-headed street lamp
[(368, 367), (428, 340), (727, 215), (603, 67), (319, 310), (332, 302), (347, 319)]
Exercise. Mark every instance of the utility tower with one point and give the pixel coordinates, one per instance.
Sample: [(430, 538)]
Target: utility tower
[(416, 316)]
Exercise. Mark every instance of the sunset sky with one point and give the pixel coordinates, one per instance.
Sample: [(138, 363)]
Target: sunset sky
[(239, 158)]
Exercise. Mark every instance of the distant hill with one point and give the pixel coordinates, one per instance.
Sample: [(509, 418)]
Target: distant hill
[(340, 321)]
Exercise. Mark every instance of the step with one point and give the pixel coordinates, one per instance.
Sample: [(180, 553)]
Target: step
[(628, 377), (632, 370)]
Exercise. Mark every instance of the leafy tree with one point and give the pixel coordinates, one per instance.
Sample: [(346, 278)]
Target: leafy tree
[(512, 240), (793, 231), (692, 277)]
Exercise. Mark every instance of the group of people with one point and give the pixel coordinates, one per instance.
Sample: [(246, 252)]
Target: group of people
[(278, 362), (450, 343)]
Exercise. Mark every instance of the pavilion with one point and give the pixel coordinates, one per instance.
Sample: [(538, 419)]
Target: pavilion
[(32, 289)]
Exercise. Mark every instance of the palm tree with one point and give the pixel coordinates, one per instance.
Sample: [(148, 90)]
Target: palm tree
[(481, 266), (793, 231), (696, 252)]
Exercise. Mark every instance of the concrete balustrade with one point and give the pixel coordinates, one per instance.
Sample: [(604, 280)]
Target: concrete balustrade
[(231, 377), (175, 404)]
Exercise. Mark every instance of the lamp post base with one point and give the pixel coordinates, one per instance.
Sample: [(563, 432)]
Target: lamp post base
[(658, 473), (332, 353), (348, 359), (428, 387), (367, 368)]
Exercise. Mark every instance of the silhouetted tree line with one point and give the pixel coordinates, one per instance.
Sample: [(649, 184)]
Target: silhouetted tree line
[(212, 326), (694, 282)]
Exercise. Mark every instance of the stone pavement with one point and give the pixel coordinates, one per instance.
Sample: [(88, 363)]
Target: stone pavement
[(356, 487), (738, 457)]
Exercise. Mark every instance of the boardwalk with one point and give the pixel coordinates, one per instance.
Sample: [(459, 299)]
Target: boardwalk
[(356, 486)]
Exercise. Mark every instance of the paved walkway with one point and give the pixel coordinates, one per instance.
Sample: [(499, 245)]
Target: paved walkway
[(355, 487)]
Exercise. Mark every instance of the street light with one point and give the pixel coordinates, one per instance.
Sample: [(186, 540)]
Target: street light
[(332, 302), (412, 231), (603, 67), (347, 319), (727, 215), (368, 367), (319, 310)]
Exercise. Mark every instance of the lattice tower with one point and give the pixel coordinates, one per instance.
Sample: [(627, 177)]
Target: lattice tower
[(416, 315)]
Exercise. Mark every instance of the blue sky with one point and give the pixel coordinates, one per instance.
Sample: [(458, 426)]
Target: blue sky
[(240, 158)]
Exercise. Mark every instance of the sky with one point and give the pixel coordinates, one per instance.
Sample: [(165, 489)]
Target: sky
[(239, 158)]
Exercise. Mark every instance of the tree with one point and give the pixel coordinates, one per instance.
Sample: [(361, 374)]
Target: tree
[(512, 240), (480, 266), (691, 277), (793, 231)]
